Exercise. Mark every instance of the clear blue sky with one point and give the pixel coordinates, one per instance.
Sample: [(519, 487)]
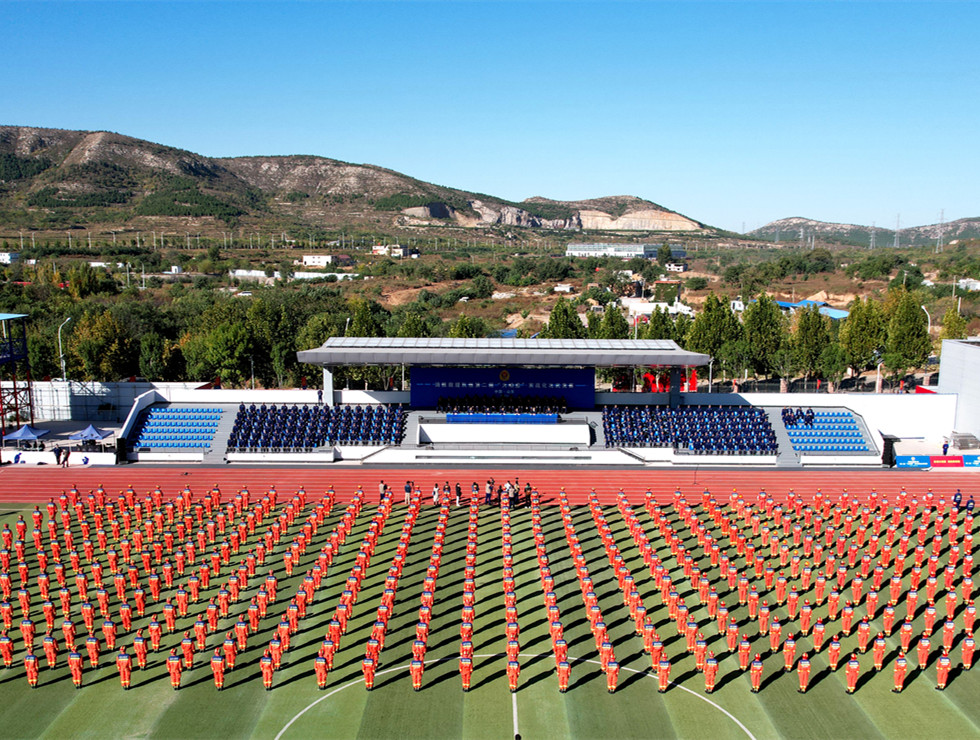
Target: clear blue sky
[(730, 112)]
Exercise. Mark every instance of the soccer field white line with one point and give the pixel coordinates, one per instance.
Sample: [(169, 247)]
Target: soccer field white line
[(358, 681)]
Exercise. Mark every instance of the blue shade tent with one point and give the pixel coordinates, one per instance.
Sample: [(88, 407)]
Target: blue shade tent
[(26, 433), (91, 433)]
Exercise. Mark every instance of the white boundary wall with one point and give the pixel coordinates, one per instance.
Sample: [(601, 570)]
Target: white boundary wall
[(958, 374)]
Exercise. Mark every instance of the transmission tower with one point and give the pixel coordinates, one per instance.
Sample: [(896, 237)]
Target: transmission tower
[(872, 234), (898, 229)]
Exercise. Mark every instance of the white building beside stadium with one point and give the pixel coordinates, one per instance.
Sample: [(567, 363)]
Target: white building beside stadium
[(623, 251)]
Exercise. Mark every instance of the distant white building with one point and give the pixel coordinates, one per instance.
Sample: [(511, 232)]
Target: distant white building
[(968, 284), (622, 251), (317, 260), (563, 288), (7, 258), (641, 307), (676, 267)]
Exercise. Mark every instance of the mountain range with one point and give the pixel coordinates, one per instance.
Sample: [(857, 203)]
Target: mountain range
[(53, 179), (796, 229)]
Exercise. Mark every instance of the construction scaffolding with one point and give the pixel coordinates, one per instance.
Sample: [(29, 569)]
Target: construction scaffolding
[(16, 396)]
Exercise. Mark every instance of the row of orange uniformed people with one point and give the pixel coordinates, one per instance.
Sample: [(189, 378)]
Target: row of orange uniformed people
[(841, 574), (124, 661), (834, 650), (288, 625), (847, 615), (193, 586), (607, 657), (426, 601), (512, 626), (323, 662), (755, 667), (965, 588), (556, 630), (752, 597), (155, 630), (705, 660), (132, 571), (226, 594), (469, 594)]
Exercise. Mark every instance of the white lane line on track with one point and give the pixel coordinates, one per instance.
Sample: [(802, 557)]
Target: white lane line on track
[(513, 698), (356, 681)]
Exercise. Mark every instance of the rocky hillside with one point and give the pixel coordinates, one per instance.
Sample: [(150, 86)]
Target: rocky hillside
[(56, 179), (787, 231)]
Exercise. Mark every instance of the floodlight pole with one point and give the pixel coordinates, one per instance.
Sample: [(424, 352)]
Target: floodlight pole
[(61, 353)]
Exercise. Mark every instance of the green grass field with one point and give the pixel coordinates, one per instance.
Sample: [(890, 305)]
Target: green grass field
[(296, 708)]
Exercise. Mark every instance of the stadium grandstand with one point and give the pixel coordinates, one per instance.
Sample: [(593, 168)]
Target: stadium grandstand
[(531, 401)]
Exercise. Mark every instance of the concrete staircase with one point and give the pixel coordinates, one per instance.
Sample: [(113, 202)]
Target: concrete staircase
[(787, 457)]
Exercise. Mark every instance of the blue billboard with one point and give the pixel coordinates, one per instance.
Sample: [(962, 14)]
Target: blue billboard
[(575, 385), (912, 461)]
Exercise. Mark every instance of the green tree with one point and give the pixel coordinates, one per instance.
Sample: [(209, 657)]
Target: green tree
[(660, 325), (464, 328), (563, 322), (152, 366), (811, 338), (614, 325), (102, 347), (735, 357), (765, 332), (715, 325), (784, 364), (363, 323), (908, 343), (833, 365), (863, 333), (954, 325), (663, 255), (413, 326)]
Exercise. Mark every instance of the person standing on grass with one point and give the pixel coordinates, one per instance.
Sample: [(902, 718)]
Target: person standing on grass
[(851, 673), (124, 664), (174, 668), (218, 669), (710, 673), (803, 671), (408, 492), (901, 666), (755, 673)]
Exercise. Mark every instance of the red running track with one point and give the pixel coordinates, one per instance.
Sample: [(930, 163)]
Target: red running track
[(31, 485)]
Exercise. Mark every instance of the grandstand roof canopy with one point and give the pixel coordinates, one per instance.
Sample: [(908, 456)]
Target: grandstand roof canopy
[(500, 351)]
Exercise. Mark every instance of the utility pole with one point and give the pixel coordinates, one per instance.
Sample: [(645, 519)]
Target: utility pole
[(872, 234), (898, 228)]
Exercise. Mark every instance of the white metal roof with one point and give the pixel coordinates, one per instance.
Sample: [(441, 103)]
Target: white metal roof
[(500, 351)]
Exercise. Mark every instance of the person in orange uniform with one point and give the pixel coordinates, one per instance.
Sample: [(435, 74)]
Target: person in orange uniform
[(174, 668), (803, 671), (416, 669), (513, 674), (942, 670), (755, 673), (663, 673), (368, 667), (851, 673), (612, 676), (218, 669), (968, 646), (710, 672), (75, 665), (564, 675), (124, 664), (30, 668), (321, 669), (6, 649), (466, 672), (267, 668), (901, 666), (878, 651)]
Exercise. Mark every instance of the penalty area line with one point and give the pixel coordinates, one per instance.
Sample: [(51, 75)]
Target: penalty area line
[(357, 681)]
